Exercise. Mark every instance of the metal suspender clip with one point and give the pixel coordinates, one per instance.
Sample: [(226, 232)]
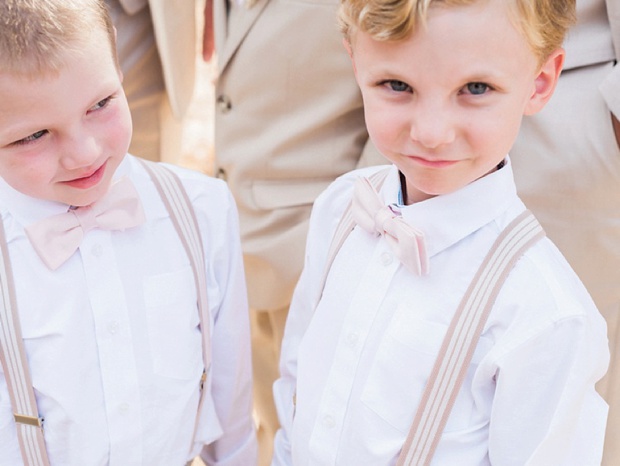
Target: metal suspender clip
[(203, 378), (29, 420)]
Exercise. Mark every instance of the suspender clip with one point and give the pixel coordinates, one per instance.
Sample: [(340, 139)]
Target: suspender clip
[(203, 379), (29, 420)]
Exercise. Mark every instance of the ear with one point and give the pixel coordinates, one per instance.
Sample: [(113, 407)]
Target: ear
[(545, 82), (347, 46)]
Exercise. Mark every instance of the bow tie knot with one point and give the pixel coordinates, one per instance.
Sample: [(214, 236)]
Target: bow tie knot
[(56, 238), (384, 219), (406, 242)]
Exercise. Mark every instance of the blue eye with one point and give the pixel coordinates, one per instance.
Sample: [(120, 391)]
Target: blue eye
[(102, 103), (398, 86), (477, 88), (33, 137)]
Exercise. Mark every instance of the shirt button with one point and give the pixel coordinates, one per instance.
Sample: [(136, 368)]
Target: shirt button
[(97, 250), (329, 422), (123, 408), (113, 327), (386, 258), (224, 104)]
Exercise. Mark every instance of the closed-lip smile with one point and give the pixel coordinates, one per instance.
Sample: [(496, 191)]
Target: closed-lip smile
[(89, 180), (431, 163)]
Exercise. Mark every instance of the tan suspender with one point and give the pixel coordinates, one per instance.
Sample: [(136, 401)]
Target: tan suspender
[(183, 216), (12, 352), (15, 365), (462, 337)]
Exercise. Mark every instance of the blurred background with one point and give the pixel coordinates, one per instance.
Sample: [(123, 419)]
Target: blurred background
[(197, 148)]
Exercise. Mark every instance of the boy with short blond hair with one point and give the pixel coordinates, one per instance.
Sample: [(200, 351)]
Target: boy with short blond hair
[(443, 328), (124, 335)]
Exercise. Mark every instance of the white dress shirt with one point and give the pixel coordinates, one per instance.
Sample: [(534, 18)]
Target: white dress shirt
[(113, 342), (359, 361)]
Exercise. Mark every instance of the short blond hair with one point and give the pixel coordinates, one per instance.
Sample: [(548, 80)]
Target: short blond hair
[(36, 34), (543, 22)]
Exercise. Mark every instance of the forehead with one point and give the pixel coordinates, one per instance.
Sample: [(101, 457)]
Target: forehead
[(42, 101), (455, 41)]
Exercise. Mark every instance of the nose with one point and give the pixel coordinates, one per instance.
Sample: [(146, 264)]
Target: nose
[(80, 150), (431, 126)]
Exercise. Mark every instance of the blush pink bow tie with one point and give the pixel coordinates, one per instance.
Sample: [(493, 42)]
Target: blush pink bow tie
[(56, 238), (406, 242)]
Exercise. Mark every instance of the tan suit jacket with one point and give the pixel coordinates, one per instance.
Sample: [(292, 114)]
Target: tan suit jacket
[(289, 120), (175, 33), (611, 86), (156, 43)]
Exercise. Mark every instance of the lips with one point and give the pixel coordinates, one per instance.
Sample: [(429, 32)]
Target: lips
[(88, 181), (426, 162)]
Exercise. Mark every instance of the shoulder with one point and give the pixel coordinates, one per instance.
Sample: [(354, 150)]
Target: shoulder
[(196, 184), (545, 290), (340, 191), (331, 205), (209, 197)]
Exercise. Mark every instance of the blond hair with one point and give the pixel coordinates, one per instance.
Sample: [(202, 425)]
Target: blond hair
[(543, 22), (35, 35)]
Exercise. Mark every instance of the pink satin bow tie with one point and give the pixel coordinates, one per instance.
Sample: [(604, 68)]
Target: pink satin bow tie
[(56, 238), (406, 242)]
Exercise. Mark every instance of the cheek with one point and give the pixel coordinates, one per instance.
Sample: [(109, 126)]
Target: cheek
[(28, 178), (118, 129), (384, 126), (493, 135), (118, 133)]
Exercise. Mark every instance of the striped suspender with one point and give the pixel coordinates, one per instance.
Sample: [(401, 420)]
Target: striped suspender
[(15, 365), (462, 337), (183, 216)]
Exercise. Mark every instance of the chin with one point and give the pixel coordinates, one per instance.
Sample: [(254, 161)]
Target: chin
[(85, 199)]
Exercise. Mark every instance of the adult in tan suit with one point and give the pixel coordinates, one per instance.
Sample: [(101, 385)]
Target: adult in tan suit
[(157, 53), (289, 120), (567, 168)]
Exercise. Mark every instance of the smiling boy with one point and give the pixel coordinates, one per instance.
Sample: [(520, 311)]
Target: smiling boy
[(445, 86), (117, 363)]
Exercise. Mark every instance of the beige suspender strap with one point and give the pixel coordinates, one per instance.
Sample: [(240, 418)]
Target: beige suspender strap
[(462, 337), (15, 365), (346, 225), (183, 216)]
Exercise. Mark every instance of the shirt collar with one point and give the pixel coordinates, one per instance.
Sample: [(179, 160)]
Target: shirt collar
[(449, 218)]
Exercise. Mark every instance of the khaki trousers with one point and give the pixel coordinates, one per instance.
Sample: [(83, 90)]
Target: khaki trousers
[(267, 328)]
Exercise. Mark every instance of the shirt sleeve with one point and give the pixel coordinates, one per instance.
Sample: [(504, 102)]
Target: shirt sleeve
[(546, 411), (231, 366)]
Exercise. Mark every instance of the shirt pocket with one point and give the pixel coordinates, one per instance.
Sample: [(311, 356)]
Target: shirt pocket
[(402, 367), (173, 323)]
